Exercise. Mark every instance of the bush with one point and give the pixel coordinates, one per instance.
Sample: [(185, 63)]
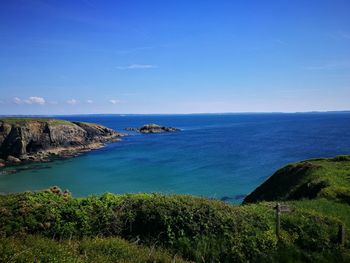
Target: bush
[(194, 228), (96, 250)]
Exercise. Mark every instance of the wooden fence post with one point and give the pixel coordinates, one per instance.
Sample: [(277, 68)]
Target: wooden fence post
[(278, 221), (341, 234), (279, 210)]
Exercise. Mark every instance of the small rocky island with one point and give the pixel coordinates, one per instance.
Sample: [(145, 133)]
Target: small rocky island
[(153, 128), (44, 139)]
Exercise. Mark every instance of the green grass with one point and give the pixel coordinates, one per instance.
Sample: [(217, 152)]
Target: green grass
[(23, 121), (340, 211), (94, 250), (315, 178)]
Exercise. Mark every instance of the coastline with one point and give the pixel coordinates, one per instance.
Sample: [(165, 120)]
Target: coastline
[(24, 140)]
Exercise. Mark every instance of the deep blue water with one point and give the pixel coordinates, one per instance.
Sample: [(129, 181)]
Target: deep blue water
[(214, 155)]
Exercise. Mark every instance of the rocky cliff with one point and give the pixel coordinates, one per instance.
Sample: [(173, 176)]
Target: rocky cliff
[(39, 139)]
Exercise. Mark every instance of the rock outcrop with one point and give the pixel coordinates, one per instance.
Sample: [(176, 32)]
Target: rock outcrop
[(153, 128), (41, 139)]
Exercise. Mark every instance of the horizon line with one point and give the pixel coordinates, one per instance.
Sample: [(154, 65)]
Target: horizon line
[(193, 113)]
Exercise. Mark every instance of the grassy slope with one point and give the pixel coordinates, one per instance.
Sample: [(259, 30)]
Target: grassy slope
[(316, 178), (193, 228), (23, 121)]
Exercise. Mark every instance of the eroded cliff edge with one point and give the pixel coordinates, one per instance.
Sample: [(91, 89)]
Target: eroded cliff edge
[(42, 139)]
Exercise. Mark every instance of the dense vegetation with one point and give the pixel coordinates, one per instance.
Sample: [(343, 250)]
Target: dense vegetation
[(94, 250), (55, 227)]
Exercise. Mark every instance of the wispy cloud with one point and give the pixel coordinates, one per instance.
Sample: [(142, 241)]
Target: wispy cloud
[(30, 100), (113, 101), (89, 101), (328, 66), (72, 102), (35, 100), (17, 100), (138, 66)]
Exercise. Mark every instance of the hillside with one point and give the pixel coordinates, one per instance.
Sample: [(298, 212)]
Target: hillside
[(54, 226), (316, 178), (40, 139)]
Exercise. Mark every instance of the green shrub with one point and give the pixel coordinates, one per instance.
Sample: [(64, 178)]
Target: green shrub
[(194, 228), (96, 250), (35, 249)]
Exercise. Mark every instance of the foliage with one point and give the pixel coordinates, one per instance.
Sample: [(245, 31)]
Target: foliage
[(90, 229), (94, 250), (194, 228)]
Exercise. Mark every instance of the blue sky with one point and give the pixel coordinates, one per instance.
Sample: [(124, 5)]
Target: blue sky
[(89, 56)]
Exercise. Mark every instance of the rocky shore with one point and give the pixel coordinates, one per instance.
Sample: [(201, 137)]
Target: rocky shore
[(44, 139), (153, 128)]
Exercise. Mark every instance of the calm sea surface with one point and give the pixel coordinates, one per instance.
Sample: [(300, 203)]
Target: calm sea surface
[(218, 156)]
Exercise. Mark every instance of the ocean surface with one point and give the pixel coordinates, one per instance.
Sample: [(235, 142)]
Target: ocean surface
[(218, 156)]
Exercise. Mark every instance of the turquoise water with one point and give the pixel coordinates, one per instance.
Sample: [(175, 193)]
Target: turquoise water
[(218, 156)]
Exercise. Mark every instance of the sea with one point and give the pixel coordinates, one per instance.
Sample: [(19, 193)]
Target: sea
[(218, 156)]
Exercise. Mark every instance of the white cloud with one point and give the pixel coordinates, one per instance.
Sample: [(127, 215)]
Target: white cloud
[(89, 101), (138, 66), (114, 101), (30, 100), (72, 101), (35, 100), (329, 66), (17, 100)]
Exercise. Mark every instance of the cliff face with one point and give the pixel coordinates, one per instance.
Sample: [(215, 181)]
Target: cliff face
[(27, 138)]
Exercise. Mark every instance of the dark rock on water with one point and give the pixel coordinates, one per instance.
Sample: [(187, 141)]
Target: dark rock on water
[(226, 198), (41, 139), (230, 198), (153, 128)]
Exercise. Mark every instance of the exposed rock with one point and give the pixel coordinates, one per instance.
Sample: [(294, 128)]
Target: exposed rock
[(2, 163), (12, 159), (55, 190), (38, 139), (153, 128)]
